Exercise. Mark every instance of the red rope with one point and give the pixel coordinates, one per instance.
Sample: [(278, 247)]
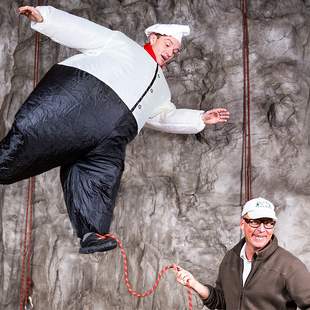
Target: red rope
[(26, 259), (246, 181), (160, 274), (26, 270)]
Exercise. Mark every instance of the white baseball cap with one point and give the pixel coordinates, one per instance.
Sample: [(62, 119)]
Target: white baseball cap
[(174, 30), (258, 208)]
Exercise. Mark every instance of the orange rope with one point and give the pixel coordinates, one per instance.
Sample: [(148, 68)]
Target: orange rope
[(160, 274)]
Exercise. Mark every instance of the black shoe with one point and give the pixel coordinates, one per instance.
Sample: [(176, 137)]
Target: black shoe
[(92, 243)]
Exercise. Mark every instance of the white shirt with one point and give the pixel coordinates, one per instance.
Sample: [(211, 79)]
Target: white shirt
[(247, 265), (123, 65)]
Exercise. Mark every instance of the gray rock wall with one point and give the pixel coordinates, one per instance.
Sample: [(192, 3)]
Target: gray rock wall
[(179, 197)]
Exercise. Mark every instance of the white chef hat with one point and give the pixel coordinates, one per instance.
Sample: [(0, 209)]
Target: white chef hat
[(174, 30)]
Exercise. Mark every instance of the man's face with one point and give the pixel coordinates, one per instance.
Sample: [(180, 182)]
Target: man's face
[(164, 47), (257, 232)]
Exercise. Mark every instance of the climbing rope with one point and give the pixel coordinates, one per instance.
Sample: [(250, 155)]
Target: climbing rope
[(246, 182), (26, 256), (160, 274), (26, 270)]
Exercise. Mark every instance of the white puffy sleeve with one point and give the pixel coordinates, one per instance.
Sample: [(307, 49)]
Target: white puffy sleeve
[(72, 31), (168, 118)]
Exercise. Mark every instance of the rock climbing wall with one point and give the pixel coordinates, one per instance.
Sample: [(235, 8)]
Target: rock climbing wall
[(180, 194)]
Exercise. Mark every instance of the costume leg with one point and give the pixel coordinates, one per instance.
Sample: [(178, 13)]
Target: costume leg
[(90, 184), (47, 130), (90, 188)]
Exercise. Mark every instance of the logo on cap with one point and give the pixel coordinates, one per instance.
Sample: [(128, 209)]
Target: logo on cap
[(259, 208)]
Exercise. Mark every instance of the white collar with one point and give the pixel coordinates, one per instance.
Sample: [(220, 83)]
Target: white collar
[(243, 254)]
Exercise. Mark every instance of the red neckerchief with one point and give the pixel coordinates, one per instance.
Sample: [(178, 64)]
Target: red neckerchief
[(149, 49)]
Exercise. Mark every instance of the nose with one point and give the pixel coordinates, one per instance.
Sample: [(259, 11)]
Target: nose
[(261, 227), (170, 52)]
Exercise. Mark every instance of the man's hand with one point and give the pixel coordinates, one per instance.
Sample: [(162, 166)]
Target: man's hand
[(215, 116), (184, 277), (32, 13), (187, 279)]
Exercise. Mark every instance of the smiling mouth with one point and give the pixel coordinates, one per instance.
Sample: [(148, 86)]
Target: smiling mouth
[(259, 238), (164, 57)]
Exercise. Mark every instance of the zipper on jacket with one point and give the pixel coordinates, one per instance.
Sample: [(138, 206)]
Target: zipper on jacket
[(241, 293), (245, 283)]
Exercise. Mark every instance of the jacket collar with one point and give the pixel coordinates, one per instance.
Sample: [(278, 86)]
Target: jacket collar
[(261, 254), (149, 49)]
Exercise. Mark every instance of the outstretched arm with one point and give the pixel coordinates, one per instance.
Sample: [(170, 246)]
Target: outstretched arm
[(67, 29), (185, 121)]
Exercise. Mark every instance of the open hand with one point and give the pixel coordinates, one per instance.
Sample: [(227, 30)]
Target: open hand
[(215, 116), (31, 13)]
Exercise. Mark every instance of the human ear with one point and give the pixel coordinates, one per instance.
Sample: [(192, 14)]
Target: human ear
[(152, 38), (241, 224)]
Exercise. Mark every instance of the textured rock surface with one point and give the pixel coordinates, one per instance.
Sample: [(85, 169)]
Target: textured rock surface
[(179, 198)]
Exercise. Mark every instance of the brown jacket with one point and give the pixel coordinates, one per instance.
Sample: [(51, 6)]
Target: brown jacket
[(278, 281)]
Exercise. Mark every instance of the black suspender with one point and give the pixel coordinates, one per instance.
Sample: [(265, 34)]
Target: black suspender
[(148, 88)]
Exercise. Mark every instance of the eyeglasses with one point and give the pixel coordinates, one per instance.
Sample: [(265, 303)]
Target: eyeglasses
[(255, 223)]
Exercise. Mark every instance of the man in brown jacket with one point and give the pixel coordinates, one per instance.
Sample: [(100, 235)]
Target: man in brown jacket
[(257, 274)]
